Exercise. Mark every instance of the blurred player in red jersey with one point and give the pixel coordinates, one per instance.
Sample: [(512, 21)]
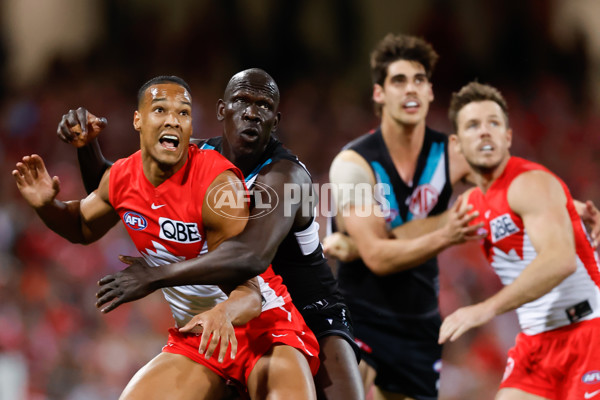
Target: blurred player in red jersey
[(537, 244)]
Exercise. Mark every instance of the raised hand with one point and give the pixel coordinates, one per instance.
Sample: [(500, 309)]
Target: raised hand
[(79, 127), (34, 182), (130, 284), (458, 226), (216, 327)]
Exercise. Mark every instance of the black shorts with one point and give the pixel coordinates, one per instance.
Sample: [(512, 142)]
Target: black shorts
[(330, 317), (403, 351)]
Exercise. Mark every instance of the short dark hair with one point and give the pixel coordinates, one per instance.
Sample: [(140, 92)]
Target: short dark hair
[(401, 47), (162, 79), (475, 92)]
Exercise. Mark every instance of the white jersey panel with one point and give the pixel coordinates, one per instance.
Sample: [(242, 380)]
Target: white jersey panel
[(549, 311)]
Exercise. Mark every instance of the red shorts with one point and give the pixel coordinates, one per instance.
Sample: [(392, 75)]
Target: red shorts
[(283, 325), (563, 363)]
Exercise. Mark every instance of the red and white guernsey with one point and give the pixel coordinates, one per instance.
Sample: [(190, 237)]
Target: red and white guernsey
[(509, 250), (165, 223)]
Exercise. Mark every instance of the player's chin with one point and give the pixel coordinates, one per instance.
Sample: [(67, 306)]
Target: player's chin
[(168, 158)]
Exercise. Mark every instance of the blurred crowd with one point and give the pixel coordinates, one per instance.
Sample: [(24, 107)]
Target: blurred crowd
[(55, 344)]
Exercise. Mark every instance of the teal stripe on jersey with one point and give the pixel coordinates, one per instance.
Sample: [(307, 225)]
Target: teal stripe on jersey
[(383, 177), (256, 170)]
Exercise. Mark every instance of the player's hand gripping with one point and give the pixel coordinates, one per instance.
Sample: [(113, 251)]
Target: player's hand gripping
[(216, 327), (34, 182), (458, 227), (79, 127), (591, 218), (340, 246), (132, 283)]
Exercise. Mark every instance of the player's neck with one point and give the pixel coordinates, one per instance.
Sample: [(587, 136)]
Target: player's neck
[(404, 143), (407, 137), (245, 161), (157, 173), (485, 177)]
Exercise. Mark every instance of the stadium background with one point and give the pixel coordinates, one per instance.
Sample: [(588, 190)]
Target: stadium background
[(59, 54)]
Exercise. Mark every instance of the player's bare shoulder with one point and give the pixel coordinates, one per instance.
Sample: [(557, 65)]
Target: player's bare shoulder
[(534, 189), (284, 171)]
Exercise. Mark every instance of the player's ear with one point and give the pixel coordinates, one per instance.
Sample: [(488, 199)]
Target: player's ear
[(378, 95), (137, 123), (454, 143), (220, 110), (276, 123), (509, 137)]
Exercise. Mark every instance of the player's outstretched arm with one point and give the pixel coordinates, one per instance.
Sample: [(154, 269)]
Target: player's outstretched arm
[(538, 198), (81, 128), (77, 221)]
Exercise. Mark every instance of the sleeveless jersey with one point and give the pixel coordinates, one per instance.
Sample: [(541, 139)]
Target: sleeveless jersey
[(165, 224), (509, 250), (413, 292), (299, 258)]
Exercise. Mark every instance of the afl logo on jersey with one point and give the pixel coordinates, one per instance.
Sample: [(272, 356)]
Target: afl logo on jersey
[(591, 377), (423, 200), (135, 221)]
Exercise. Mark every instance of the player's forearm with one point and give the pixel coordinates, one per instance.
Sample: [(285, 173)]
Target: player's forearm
[(538, 278), (386, 256), (92, 164), (63, 218), (230, 264), (244, 303), (419, 227)]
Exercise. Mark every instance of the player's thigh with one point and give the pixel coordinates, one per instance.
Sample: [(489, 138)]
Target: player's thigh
[(516, 394), (176, 377), (338, 376), (281, 374)]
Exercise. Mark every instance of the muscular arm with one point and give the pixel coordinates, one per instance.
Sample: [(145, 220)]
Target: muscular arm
[(81, 221), (382, 253), (538, 198), (251, 252), (234, 261)]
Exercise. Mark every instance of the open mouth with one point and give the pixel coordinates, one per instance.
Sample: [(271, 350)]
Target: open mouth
[(410, 105), (169, 142), (250, 135), (486, 148)]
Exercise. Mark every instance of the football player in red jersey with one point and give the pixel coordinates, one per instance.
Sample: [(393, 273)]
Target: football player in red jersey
[(538, 246)]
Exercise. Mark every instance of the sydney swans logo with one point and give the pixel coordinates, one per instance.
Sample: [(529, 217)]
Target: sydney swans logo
[(261, 198)]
